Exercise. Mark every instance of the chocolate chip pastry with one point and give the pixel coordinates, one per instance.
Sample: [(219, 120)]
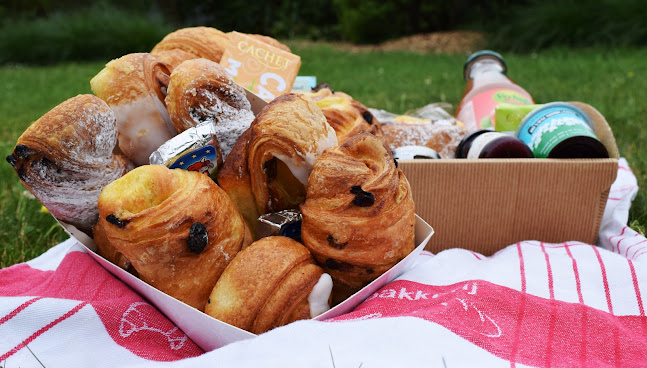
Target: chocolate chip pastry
[(176, 228), (359, 215)]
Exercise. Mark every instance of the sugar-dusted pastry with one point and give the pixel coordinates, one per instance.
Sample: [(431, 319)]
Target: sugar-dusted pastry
[(177, 229), (204, 42), (344, 114), (201, 91), (359, 216), (441, 137), (268, 168), (268, 40), (269, 284), (173, 57), (135, 86), (66, 157)]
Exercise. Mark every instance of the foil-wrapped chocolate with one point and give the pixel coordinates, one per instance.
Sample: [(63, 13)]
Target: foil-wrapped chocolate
[(195, 149), (284, 223), (414, 152)]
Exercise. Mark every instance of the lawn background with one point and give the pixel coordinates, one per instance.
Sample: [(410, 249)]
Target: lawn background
[(612, 80)]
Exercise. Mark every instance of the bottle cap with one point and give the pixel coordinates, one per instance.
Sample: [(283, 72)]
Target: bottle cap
[(483, 53)]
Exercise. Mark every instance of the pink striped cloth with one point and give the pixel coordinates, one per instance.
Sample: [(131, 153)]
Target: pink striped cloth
[(532, 304)]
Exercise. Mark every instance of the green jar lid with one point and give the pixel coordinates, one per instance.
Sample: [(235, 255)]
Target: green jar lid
[(483, 53)]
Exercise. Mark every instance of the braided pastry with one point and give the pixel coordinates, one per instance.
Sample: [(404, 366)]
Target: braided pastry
[(66, 157), (269, 284), (270, 165), (135, 86), (359, 216), (177, 229), (203, 42), (200, 91)]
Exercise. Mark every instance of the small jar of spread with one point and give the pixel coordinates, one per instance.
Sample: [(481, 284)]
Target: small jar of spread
[(414, 152), (485, 143), (560, 130)]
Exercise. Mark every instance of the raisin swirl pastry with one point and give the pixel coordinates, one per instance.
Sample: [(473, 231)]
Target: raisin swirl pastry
[(135, 87), (271, 283), (176, 228), (203, 42), (345, 115), (359, 216), (200, 91), (65, 158), (268, 168)]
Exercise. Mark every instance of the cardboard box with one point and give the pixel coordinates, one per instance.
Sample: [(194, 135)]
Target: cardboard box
[(484, 205), (210, 333)]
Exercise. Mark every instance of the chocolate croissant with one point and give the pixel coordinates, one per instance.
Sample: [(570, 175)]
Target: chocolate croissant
[(359, 215), (268, 168), (135, 87), (66, 157), (271, 283), (201, 91), (345, 115), (177, 229), (203, 42)]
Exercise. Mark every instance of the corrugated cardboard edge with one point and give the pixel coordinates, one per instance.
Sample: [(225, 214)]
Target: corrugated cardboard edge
[(210, 333), (470, 206)]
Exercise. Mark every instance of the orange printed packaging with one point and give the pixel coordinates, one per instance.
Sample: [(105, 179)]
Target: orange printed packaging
[(265, 70)]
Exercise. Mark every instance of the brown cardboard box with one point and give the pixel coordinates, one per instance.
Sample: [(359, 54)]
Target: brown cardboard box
[(484, 205)]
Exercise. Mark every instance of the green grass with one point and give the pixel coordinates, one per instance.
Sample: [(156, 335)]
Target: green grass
[(613, 81)]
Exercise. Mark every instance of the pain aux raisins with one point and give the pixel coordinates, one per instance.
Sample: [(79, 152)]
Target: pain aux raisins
[(116, 221), (198, 238), (368, 117), (362, 197), (333, 242)]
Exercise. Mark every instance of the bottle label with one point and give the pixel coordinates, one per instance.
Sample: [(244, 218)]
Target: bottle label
[(480, 142), (546, 127), (478, 112)]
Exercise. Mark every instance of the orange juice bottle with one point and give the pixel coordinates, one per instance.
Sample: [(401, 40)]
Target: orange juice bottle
[(487, 86)]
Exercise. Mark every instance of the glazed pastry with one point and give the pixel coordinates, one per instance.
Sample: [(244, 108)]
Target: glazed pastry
[(200, 91), (270, 165), (173, 57), (66, 157), (347, 116), (135, 86), (442, 138), (271, 283), (204, 42), (359, 216), (268, 40), (176, 228)]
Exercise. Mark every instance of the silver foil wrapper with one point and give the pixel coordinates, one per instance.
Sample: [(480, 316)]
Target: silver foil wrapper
[(284, 223), (195, 149)]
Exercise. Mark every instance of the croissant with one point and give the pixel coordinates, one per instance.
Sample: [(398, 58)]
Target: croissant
[(204, 42), (66, 157), (345, 115), (177, 229), (271, 283), (269, 166), (200, 91), (135, 86), (359, 215), (173, 57)]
